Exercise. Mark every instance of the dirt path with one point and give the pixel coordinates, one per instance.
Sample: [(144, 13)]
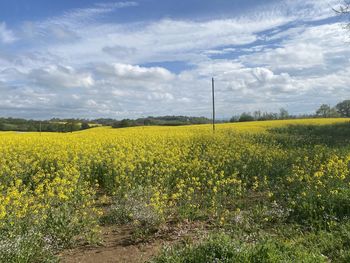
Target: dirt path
[(117, 247)]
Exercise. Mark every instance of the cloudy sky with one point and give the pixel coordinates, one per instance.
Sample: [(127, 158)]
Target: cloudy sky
[(90, 59)]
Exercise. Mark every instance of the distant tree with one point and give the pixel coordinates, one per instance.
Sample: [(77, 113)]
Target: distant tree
[(115, 124), (147, 121), (246, 117), (125, 123), (343, 108), (268, 116), (71, 126), (324, 111), (283, 114), (257, 115), (234, 119), (85, 126), (334, 113)]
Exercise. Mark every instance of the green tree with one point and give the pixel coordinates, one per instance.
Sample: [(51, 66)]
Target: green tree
[(123, 123), (234, 119), (246, 117), (147, 121), (257, 115), (283, 114), (333, 113), (85, 126), (324, 111), (343, 108)]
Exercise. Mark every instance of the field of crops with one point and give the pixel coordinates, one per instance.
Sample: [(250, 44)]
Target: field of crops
[(276, 191)]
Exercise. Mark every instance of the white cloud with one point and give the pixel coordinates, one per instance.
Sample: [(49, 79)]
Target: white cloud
[(68, 26), (308, 10), (6, 35), (161, 40), (117, 4), (316, 48), (60, 76), (296, 55), (76, 66), (134, 73), (255, 82)]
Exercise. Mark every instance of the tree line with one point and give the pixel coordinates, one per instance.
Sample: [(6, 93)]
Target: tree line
[(71, 125), (342, 109), (161, 121), (261, 116), (54, 125)]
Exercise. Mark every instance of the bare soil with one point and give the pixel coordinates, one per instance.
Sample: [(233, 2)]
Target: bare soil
[(119, 246)]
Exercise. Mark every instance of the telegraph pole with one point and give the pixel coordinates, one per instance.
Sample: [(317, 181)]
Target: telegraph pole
[(213, 94)]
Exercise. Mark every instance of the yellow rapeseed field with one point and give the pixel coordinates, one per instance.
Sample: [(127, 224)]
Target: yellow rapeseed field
[(50, 182)]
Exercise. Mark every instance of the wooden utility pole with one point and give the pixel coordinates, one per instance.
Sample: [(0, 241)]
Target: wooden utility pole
[(213, 94)]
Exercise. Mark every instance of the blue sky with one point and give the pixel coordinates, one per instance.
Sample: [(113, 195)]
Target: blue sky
[(21, 10), (92, 59)]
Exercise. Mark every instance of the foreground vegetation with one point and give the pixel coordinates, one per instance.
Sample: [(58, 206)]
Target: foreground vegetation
[(276, 191)]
